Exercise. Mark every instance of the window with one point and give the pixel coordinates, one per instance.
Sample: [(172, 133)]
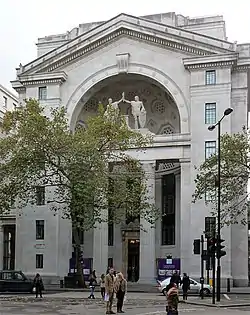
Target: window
[(210, 113), (40, 195), (210, 77), (111, 215), (39, 261), (42, 92), (5, 101), (40, 229), (210, 148), (168, 210)]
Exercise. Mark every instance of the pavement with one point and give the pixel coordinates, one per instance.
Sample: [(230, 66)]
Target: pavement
[(144, 288), (77, 303)]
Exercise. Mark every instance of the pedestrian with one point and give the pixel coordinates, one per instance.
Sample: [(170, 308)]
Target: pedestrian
[(172, 299), (185, 285), (120, 289), (92, 284), (176, 278), (102, 285), (38, 284), (109, 290)]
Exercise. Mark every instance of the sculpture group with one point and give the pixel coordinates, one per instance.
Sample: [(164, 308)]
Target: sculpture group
[(137, 109)]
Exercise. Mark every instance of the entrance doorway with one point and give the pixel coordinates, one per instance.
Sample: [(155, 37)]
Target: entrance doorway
[(9, 247), (133, 260)]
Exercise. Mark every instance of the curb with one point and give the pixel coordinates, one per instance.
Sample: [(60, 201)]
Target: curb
[(217, 305)]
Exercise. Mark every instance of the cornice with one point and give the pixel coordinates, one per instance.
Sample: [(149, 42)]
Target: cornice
[(149, 31), (213, 61), (39, 79)]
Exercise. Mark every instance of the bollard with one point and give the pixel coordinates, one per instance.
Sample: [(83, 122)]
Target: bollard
[(228, 285), (61, 283)]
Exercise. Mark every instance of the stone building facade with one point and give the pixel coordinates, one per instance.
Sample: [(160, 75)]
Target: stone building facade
[(186, 73)]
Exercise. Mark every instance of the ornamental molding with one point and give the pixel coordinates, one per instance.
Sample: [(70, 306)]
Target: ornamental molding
[(242, 68), (128, 26), (122, 61), (216, 61), (39, 79)]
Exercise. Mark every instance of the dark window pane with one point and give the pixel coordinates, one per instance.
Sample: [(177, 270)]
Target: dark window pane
[(40, 229), (40, 195), (168, 210), (39, 261)]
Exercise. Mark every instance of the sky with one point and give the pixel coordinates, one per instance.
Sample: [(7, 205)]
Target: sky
[(22, 22)]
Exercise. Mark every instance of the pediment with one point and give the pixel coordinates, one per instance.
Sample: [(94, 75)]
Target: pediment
[(192, 44)]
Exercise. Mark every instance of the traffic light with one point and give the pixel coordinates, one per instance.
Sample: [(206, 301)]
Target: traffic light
[(219, 252), (197, 247), (211, 246)]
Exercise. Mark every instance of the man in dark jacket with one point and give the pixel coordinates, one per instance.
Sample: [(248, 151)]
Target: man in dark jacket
[(175, 278), (185, 285)]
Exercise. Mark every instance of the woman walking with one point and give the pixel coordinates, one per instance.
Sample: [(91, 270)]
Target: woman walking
[(120, 289), (92, 284), (102, 285), (172, 299), (38, 284)]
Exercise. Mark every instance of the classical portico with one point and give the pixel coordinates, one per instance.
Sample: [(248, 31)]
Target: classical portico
[(175, 72)]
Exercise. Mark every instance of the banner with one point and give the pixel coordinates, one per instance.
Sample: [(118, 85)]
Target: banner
[(86, 266), (166, 267)]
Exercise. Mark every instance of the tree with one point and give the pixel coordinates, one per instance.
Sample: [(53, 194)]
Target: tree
[(84, 172), (235, 169)]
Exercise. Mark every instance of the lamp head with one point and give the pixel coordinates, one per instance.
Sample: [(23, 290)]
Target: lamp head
[(211, 128), (228, 111)]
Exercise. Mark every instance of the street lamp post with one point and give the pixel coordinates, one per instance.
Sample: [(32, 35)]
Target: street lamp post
[(227, 112)]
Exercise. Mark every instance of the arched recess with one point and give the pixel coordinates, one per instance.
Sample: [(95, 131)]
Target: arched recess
[(83, 90)]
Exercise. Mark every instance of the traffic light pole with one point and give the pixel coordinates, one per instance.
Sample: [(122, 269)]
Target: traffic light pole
[(218, 275), (202, 267), (213, 271)]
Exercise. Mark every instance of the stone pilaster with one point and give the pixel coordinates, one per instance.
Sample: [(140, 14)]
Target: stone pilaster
[(100, 246), (147, 233), (185, 216)]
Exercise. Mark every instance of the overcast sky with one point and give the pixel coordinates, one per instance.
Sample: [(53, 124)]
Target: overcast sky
[(23, 21)]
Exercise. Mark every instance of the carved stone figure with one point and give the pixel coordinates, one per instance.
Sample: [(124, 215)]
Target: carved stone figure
[(114, 106), (138, 111)]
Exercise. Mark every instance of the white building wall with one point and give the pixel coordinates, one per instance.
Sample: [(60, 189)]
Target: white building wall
[(230, 90)]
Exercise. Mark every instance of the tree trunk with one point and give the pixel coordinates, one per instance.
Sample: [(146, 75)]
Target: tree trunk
[(79, 269)]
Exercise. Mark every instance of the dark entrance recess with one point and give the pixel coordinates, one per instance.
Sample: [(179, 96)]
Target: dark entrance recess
[(133, 260), (9, 245)]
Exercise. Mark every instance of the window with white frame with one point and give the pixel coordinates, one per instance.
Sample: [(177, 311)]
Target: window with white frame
[(210, 148), (210, 113), (42, 92), (210, 77)]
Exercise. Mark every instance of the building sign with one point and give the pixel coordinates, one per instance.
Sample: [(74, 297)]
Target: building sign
[(166, 267), (86, 266)]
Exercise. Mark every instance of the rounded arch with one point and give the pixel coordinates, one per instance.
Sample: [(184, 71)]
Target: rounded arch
[(83, 91)]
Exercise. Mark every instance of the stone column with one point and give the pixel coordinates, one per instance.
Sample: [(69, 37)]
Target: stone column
[(1, 246), (147, 233), (185, 216), (100, 246)]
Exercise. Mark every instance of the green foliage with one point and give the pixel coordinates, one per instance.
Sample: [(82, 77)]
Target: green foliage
[(75, 167), (234, 176)]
